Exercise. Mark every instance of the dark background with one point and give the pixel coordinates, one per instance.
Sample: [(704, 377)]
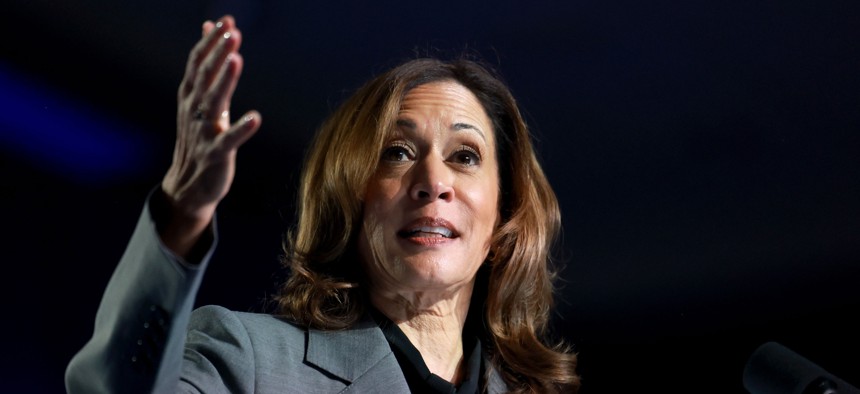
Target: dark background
[(704, 153)]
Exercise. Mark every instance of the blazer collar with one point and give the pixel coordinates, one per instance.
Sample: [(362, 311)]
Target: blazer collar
[(351, 353)]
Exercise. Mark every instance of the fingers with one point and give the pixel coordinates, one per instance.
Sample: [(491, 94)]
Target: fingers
[(241, 131), (213, 34), (198, 53), (214, 66), (212, 73), (207, 27), (216, 100)]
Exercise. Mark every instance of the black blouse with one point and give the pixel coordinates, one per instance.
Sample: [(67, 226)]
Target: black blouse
[(418, 376)]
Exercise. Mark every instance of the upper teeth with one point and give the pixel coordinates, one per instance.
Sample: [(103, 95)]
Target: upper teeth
[(437, 230)]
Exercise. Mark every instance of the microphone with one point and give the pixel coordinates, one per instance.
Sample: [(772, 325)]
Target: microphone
[(775, 369)]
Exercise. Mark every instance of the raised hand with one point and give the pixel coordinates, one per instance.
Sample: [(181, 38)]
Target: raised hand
[(204, 158)]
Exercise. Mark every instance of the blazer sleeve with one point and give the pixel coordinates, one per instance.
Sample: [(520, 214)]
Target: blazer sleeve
[(141, 323)]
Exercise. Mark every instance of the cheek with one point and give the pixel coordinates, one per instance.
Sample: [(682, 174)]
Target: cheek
[(380, 196), (485, 206), (371, 243), (379, 205)]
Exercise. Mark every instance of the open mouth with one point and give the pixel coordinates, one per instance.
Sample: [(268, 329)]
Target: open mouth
[(428, 228), (428, 232)]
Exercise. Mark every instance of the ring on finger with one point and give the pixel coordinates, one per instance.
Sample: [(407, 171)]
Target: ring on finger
[(200, 112)]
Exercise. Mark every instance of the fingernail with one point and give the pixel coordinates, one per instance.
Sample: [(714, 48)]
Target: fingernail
[(247, 118), (225, 114), (226, 35)]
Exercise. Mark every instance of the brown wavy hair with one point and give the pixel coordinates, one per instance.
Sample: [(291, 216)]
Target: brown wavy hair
[(514, 288)]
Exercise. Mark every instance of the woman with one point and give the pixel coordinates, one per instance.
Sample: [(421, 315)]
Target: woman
[(419, 261)]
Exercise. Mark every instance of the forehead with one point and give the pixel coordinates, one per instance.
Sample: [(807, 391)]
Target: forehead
[(447, 100)]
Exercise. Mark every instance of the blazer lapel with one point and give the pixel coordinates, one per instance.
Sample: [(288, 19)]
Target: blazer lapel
[(495, 383), (360, 356)]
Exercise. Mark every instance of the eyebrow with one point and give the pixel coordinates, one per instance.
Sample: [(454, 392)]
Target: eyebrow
[(408, 124)]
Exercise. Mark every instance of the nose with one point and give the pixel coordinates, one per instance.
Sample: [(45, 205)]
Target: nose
[(432, 180)]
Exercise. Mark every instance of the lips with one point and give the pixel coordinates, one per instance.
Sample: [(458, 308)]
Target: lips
[(427, 227)]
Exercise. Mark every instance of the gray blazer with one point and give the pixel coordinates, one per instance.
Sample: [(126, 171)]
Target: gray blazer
[(148, 339)]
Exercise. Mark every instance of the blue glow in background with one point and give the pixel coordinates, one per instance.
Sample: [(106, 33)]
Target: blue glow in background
[(64, 135)]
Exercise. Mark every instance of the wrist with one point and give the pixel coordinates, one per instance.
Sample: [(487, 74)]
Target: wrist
[(180, 228)]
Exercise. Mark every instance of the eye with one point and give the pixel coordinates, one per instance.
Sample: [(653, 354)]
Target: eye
[(467, 156), (396, 153)]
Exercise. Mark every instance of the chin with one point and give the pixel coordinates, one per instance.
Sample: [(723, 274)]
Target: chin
[(437, 274)]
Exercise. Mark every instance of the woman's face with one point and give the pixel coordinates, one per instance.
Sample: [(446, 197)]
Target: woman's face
[(432, 205)]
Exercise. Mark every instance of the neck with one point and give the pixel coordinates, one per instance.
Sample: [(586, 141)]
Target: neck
[(433, 323)]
